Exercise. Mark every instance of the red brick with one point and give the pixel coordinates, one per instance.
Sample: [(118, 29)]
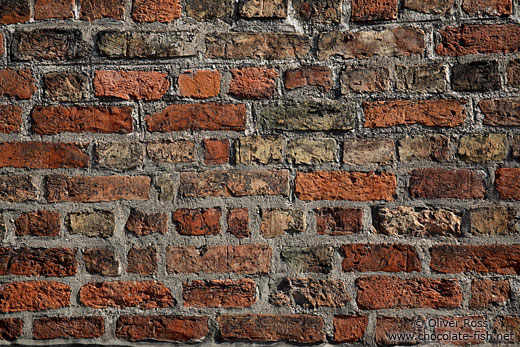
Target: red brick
[(98, 9), (506, 183), (164, 11), (50, 262), (432, 113), (216, 151), (66, 86), (442, 183), (33, 296), (142, 223), (368, 10), (339, 220), (380, 257), (501, 112), (309, 76), (430, 7), (197, 221), (59, 9), (161, 328), (478, 38), (198, 117), (379, 292), (147, 85), (200, 84), (501, 259), (398, 330), (247, 259), (96, 189), (17, 83), (238, 222), (51, 120), (15, 188), (142, 261), (234, 183), (40, 223), (349, 328), (475, 328), (101, 261), (342, 185), (143, 295), (219, 293), (261, 327), (489, 7), (308, 292), (43, 155), (10, 118), (253, 83), (10, 328), (14, 11), (485, 292), (508, 325), (68, 327), (318, 11)]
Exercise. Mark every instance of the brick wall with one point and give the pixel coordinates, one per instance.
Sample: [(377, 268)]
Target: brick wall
[(303, 171)]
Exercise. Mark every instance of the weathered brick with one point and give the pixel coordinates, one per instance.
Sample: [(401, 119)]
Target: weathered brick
[(308, 259), (51, 120), (95, 189), (309, 76), (66, 86), (319, 11), (92, 224), (49, 262), (33, 296), (59, 9), (14, 11), (507, 325), (432, 147), (234, 183), (500, 259), (477, 76), (10, 328), (308, 115), (101, 261), (161, 328), (380, 257), (212, 116), (445, 183), (393, 330), (474, 328), (238, 222), (311, 151), (195, 222), (419, 222), (501, 112), (365, 79), (391, 292), (263, 150), (257, 46), (368, 151), (263, 9), (432, 113), (339, 220), (17, 188), (40, 223), (166, 186), (19, 83), (513, 73), (431, 7), (496, 220), (207, 9), (10, 119), (506, 183), (485, 292), (421, 78), (177, 151), (199, 84), (98, 9), (121, 294), (142, 261), (309, 293), (246, 259), (368, 10), (49, 44), (219, 293), (278, 222), (119, 155), (482, 148), (216, 151), (262, 327), (68, 327), (487, 7), (163, 11), (343, 185), (479, 38), (349, 328), (43, 155), (147, 85), (143, 223), (253, 83), (402, 41)]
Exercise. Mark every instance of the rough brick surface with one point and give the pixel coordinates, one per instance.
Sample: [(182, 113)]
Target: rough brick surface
[(199, 84), (10, 328), (42, 155), (34, 296), (219, 293), (68, 328), (253, 83), (164, 11), (349, 328), (197, 222), (383, 257), (40, 223), (50, 262), (10, 118), (148, 85), (309, 293), (17, 83), (161, 328), (439, 183)]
